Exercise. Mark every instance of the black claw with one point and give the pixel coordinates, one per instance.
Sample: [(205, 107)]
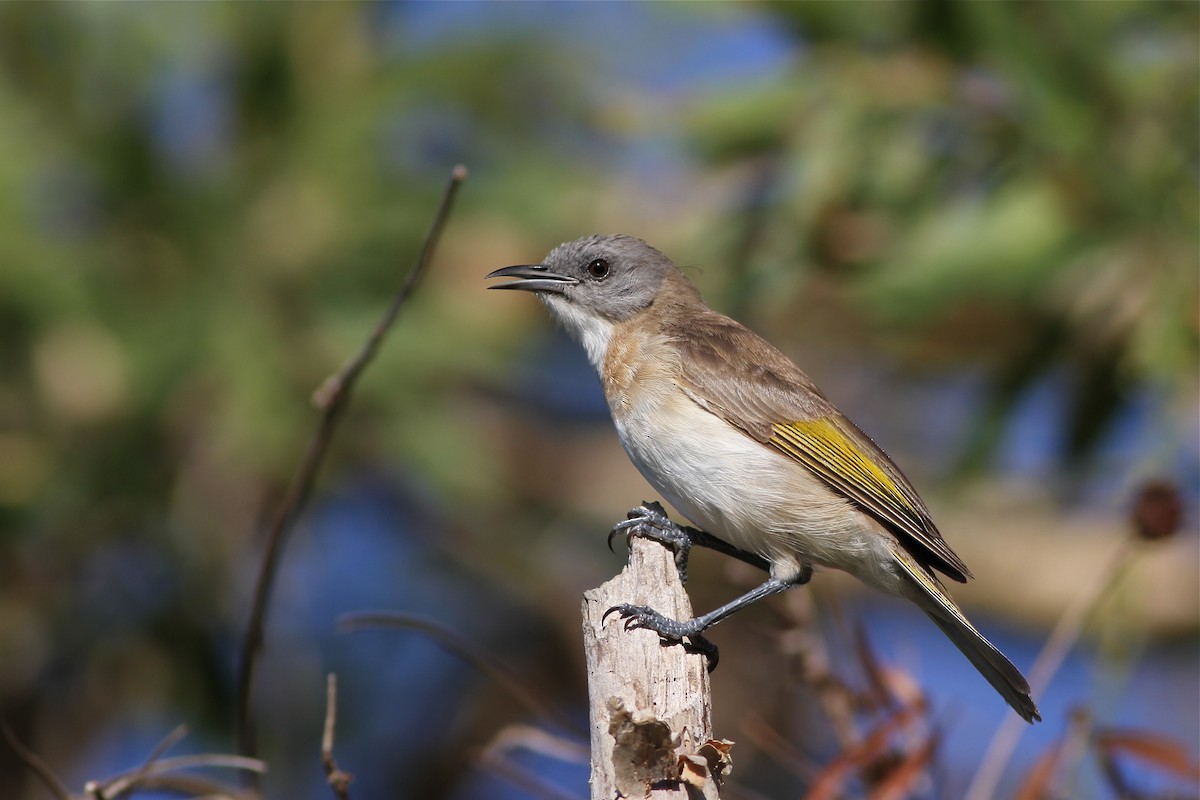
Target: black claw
[(670, 632), (628, 526), (625, 526), (650, 521), (647, 618)]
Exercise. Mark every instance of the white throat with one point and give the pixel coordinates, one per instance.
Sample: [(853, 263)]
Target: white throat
[(591, 331)]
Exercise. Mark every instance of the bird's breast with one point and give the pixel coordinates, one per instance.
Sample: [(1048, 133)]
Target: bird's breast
[(638, 367)]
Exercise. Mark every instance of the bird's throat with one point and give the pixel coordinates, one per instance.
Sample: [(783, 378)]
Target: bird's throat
[(590, 330)]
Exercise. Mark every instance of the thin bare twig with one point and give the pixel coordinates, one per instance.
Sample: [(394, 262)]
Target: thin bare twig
[(459, 647), (523, 778), (338, 781), (330, 396), (537, 740), (38, 767), (170, 740), (331, 399), (196, 787), (133, 778), (154, 772), (1064, 636)]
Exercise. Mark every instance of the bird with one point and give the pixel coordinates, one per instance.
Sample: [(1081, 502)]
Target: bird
[(744, 444)]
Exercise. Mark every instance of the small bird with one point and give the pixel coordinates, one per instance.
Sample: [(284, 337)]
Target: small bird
[(739, 440)]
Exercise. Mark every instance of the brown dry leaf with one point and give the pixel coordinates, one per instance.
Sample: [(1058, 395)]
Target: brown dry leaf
[(712, 760), (717, 753), (899, 782), (831, 781), (1037, 782), (1151, 748), (693, 770)]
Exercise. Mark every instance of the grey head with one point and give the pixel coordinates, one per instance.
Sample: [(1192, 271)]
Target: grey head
[(611, 277)]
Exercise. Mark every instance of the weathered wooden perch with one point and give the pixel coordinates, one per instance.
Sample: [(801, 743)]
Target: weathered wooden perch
[(650, 705)]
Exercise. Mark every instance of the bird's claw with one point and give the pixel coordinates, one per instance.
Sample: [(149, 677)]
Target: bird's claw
[(670, 632), (650, 521)]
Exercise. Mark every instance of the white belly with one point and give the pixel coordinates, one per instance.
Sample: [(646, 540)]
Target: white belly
[(732, 486)]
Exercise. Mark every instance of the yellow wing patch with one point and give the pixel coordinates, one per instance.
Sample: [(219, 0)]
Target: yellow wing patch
[(832, 453), (825, 448)]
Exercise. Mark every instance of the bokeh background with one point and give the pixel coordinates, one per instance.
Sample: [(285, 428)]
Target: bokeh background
[(974, 224)]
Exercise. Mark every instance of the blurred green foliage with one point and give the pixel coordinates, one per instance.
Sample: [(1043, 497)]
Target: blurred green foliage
[(203, 207), (1033, 162)]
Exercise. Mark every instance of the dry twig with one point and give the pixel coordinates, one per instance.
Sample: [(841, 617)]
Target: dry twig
[(331, 399), (495, 758), (338, 781), (168, 741), (157, 775), (1064, 636), (30, 759), (522, 777)]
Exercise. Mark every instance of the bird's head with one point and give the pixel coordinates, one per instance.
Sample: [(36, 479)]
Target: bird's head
[(593, 283), (608, 276)]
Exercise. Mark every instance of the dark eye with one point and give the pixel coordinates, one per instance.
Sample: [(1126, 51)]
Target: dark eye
[(598, 269)]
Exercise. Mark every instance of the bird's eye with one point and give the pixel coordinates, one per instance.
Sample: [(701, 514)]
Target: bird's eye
[(598, 269)]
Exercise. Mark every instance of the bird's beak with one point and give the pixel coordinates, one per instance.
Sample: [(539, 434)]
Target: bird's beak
[(532, 278)]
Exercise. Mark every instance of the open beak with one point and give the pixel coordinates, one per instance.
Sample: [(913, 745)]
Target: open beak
[(532, 278)]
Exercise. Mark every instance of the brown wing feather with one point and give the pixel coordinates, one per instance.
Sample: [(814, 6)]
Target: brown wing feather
[(721, 358)]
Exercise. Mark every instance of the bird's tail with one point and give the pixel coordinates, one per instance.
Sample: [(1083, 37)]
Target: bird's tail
[(991, 663)]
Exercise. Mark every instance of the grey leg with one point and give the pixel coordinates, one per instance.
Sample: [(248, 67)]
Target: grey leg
[(675, 631)]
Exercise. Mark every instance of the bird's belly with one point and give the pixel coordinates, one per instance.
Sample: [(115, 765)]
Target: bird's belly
[(742, 491)]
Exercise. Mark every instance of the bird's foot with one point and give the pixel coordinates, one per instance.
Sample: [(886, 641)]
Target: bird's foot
[(650, 521), (670, 631)]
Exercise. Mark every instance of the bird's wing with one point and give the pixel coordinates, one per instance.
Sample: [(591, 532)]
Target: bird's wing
[(787, 412), (846, 459)]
